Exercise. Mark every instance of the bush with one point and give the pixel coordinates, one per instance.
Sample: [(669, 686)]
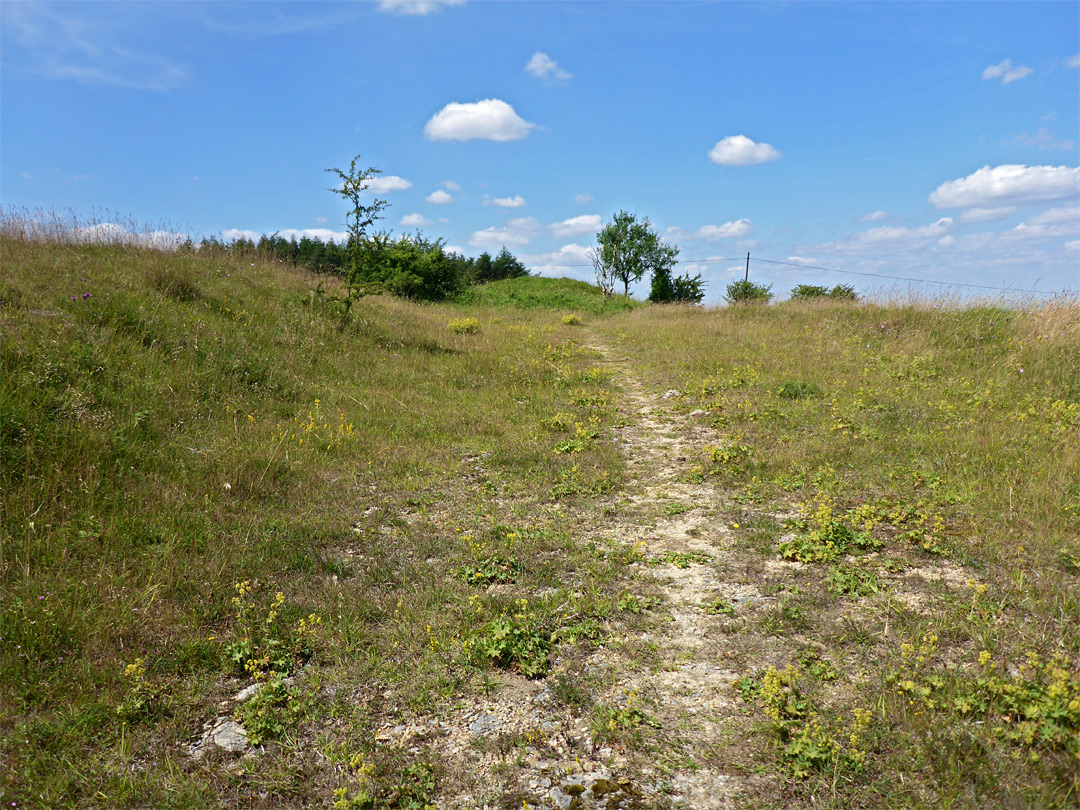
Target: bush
[(410, 267), (842, 292), (747, 292)]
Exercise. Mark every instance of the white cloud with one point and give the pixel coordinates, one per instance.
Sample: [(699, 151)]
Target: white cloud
[(576, 226), (490, 119), (517, 201), (450, 185), (583, 199), (1006, 72), (571, 260), (321, 220), (454, 249), (414, 220), (439, 197), (416, 7), (739, 229), (380, 184), (986, 214), (515, 233), (890, 238), (1008, 184), (803, 260), (1074, 61), (876, 216), (109, 233), (738, 150), (544, 67)]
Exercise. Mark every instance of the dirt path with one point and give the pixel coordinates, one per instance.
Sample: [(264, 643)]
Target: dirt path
[(519, 746)]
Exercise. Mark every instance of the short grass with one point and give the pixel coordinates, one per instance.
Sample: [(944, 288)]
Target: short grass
[(214, 475), (534, 292), (923, 459)]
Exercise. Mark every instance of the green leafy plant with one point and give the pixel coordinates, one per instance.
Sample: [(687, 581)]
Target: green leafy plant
[(747, 292), (798, 390), (274, 709), (517, 641)]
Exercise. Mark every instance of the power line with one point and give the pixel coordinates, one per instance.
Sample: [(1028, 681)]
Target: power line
[(714, 259)]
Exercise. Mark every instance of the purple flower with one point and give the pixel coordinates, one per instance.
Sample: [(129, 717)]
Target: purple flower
[(74, 298), (85, 296)]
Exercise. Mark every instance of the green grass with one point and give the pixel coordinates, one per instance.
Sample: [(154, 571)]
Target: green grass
[(534, 292), (197, 423), (935, 436), (213, 476)]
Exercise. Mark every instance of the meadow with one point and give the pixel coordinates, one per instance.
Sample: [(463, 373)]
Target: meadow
[(216, 476)]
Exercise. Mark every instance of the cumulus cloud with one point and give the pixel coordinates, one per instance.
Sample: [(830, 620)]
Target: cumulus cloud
[(739, 229), (576, 226), (382, 183), (439, 197), (108, 233), (583, 199), (1009, 184), (416, 8), (517, 201), (544, 67), (986, 214), (1006, 72), (490, 119), (414, 220), (450, 185), (738, 150), (454, 249), (891, 238), (571, 260), (876, 216), (515, 233)]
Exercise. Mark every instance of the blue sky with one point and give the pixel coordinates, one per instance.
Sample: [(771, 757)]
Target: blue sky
[(924, 140)]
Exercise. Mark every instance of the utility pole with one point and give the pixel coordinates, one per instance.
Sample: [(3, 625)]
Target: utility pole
[(747, 279)]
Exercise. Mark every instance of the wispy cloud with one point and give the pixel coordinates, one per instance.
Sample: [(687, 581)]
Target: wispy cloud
[(876, 216), (712, 233), (544, 67), (583, 199), (1043, 139), (1006, 72), (74, 46), (517, 201), (576, 226), (416, 8)]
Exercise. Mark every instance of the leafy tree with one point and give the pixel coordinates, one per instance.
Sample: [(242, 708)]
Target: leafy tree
[(663, 289), (627, 250), (506, 265), (482, 270), (747, 292)]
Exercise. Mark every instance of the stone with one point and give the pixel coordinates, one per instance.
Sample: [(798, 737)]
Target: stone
[(226, 734)]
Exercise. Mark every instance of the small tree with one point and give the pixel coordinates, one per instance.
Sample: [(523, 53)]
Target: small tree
[(354, 184), (689, 289), (628, 249)]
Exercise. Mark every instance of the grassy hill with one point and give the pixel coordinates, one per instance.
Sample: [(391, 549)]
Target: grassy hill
[(533, 292), (399, 516)]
